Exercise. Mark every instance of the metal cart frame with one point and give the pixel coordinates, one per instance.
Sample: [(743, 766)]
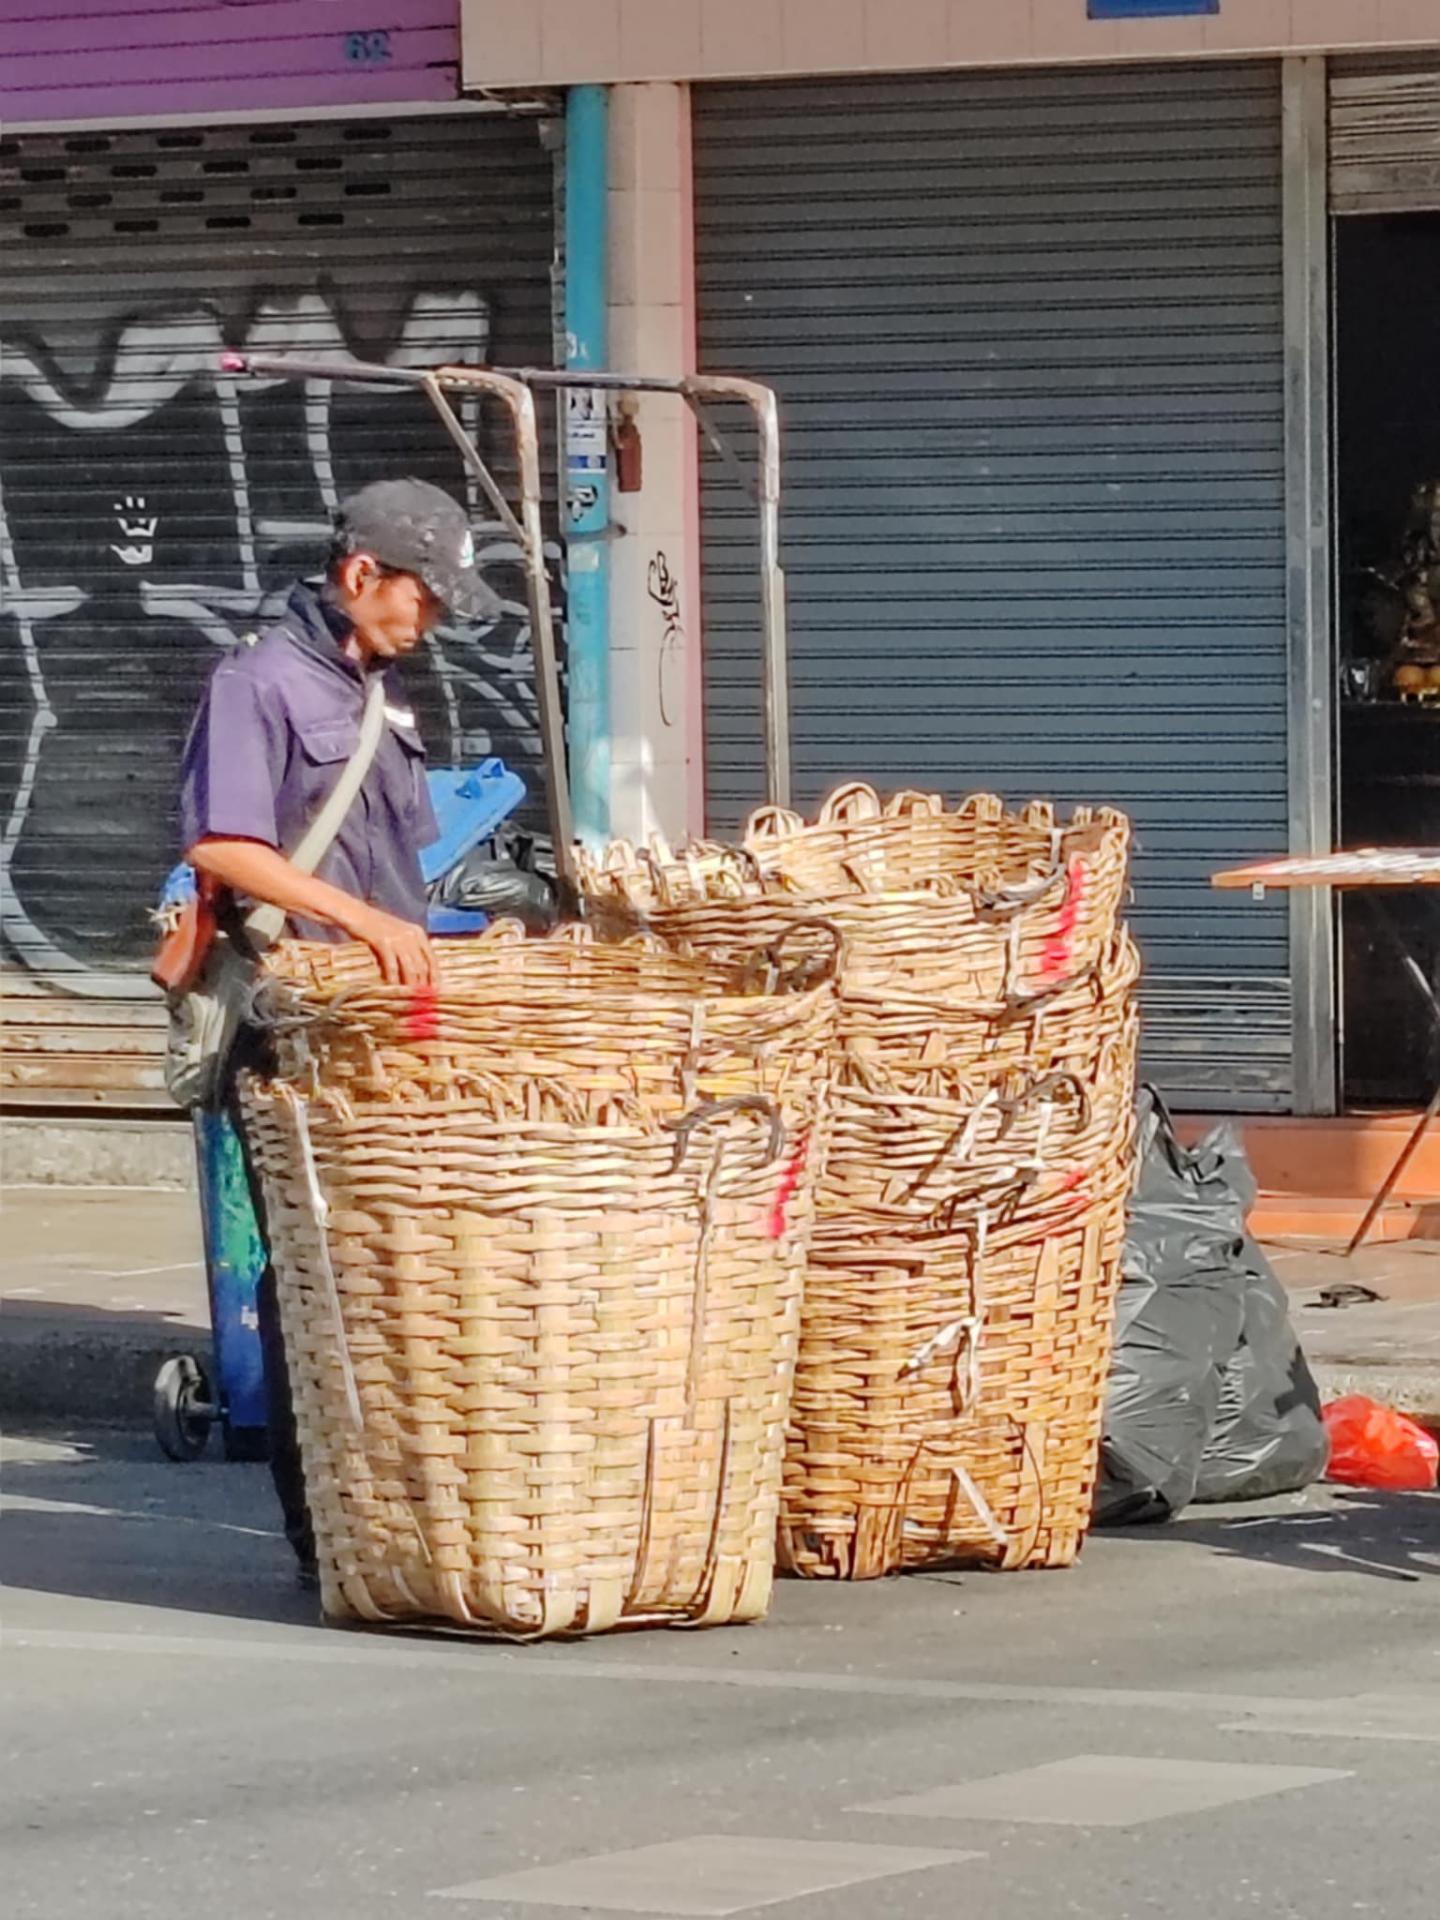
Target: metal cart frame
[(185, 1404), (515, 389)]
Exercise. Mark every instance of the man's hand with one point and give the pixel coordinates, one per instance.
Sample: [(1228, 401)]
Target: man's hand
[(402, 950)]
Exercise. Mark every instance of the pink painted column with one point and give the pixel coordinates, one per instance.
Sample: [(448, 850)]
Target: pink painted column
[(657, 772)]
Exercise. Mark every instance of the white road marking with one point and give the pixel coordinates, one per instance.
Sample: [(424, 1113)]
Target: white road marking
[(1412, 1715), (78, 1196), (35, 1503), (1332, 1550), (482, 1658), (486, 1662), (706, 1875), (1104, 1790), (175, 1266)]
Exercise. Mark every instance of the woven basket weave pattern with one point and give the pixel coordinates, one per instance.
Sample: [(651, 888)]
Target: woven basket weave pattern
[(956, 1333), (948, 1403), (542, 1348), (975, 906)]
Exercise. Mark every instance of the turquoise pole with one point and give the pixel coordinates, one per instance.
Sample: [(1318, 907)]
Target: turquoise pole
[(587, 460)]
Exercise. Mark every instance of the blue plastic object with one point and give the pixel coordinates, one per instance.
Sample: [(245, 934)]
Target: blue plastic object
[(234, 1260), (179, 887), (449, 922), (469, 804)]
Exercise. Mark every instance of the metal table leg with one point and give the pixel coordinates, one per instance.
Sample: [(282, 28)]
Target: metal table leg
[(1422, 1126)]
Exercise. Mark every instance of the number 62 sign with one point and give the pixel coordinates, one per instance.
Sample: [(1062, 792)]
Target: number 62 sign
[(367, 49)]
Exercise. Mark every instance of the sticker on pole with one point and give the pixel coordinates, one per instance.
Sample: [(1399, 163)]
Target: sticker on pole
[(586, 430)]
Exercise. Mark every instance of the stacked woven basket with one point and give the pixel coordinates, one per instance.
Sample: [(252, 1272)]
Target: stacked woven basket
[(541, 1235), (543, 1232), (959, 1300)]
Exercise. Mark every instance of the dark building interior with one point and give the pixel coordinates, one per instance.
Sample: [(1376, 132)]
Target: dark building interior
[(1387, 478)]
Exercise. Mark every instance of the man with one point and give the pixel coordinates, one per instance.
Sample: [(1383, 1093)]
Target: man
[(274, 733)]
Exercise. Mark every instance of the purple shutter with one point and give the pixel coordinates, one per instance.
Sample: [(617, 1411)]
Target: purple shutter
[(124, 59)]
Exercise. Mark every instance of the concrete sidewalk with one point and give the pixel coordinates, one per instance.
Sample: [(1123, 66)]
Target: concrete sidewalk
[(101, 1284), (1388, 1348)]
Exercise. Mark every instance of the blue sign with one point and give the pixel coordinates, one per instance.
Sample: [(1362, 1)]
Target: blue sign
[(368, 49), (1147, 9)]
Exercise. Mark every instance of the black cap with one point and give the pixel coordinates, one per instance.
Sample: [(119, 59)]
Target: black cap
[(416, 528)]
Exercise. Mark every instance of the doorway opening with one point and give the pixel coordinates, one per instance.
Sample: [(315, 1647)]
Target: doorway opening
[(1387, 513)]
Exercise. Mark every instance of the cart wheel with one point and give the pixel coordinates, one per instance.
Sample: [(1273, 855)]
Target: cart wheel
[(184, 1408)]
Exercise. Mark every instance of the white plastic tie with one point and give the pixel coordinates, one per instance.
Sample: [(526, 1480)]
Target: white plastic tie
[(973, 1125), (949, 1336), (984, 1512), (320, 1208)]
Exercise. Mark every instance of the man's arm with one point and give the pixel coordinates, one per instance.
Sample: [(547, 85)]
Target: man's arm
[(261, 872), (234, 762)]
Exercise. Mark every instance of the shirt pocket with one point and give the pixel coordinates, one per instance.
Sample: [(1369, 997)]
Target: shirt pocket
[(326, 742)]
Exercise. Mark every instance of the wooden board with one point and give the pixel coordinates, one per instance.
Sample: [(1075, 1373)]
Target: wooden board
[(58, 1048), (1363, 867)]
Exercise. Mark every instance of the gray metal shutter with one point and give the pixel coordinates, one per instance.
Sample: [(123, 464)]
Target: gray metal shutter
[(1027, 332), (151, 510), (1385, 135)]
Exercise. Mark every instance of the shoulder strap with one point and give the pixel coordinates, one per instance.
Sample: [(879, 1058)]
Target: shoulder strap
[(264, 925)]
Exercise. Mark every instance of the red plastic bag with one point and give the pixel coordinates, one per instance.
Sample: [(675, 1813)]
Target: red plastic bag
[(1374, 1446)]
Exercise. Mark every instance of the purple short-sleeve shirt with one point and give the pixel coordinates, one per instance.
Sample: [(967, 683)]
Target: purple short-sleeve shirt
[(278, 722)]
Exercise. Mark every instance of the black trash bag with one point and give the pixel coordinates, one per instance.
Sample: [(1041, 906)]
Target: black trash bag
[(1179, 1319), (1269, 1434), (1210, 1396), (502, 877)]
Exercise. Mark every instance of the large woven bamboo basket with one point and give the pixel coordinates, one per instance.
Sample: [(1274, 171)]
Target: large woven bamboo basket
[(540, 1236), (948, 1399), (960, 1299), (958, 1319), (904, 1043), (977, 906)]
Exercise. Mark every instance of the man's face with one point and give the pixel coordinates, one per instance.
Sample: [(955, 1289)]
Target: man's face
[(392, 612)]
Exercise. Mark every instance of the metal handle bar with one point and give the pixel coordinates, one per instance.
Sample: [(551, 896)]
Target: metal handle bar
[(515, 387)]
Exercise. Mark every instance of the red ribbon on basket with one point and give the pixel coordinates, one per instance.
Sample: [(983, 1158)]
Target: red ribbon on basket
[(1055, 958), (422, 1022), (789, 1180)]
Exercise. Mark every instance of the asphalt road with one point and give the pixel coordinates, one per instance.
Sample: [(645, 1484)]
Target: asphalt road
[(1240, 1714)]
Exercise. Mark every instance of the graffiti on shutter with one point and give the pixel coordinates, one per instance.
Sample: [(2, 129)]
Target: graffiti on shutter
[(153, 511)]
